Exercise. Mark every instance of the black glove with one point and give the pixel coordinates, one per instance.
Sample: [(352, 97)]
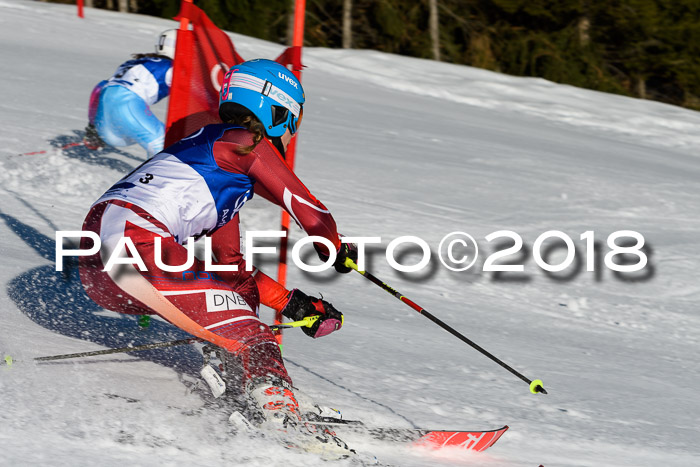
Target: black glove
[(301, 305), (346, 250)]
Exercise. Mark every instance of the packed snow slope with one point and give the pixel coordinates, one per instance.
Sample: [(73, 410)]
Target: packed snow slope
[(393, 146)]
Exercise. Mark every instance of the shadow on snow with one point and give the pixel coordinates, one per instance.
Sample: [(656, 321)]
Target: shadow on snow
[(101, 157), (56, 301)]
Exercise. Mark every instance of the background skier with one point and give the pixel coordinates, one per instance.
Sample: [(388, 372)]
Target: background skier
[(119, 113)]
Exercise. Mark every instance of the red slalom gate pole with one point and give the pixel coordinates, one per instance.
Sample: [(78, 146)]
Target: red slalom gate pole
[(297, 43), (181, 71), (80, 9), (185, 22)]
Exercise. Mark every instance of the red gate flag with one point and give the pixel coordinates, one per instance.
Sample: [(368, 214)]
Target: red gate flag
[(202, 56)]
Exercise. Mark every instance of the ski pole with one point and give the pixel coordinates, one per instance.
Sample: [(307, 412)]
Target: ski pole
[(302, 323), (306, 322), (536, 385), (156, 345)]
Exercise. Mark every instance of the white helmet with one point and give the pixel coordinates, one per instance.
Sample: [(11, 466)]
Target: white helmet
[(166, 43)]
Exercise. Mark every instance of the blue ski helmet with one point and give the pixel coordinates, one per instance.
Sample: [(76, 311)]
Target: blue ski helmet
[(269, 90)]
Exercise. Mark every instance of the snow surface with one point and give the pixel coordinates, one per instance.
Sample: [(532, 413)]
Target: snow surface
[(393, 146)]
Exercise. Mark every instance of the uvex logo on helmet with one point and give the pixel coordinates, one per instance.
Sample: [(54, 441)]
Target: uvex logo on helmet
[(282, 98), (288, 79)]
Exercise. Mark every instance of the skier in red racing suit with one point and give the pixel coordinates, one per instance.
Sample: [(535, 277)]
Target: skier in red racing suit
[(196, 187)]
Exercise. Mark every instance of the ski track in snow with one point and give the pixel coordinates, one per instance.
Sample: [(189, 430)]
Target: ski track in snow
[(393, 146)]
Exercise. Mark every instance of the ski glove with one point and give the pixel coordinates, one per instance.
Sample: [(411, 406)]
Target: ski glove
[(301, 305), (346, 250)]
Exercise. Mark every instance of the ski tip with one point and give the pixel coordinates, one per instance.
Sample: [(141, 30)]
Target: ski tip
[(537, 386)]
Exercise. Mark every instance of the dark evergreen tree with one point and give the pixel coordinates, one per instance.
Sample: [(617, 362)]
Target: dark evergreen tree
[(644, 48)]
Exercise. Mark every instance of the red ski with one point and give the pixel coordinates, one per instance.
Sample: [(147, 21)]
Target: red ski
[(434, 439), (467, 440)]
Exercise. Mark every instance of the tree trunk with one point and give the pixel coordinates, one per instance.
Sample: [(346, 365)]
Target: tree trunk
[(110, 4), (434, 29), (90, 3), (584, 24), (347, 24), (123, 6), (641, 88), (290, 23), (134, 6)]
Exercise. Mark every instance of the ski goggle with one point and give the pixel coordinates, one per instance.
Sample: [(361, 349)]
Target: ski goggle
[(281, 115), (295, 122)]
